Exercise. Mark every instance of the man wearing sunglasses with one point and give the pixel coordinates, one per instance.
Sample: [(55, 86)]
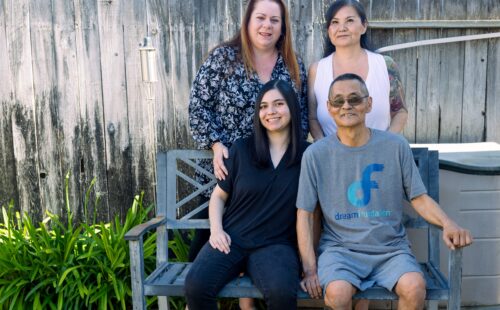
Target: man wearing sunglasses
[(359, 177)]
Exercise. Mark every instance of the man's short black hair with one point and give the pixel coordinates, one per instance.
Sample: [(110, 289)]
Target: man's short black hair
[(350, 77)]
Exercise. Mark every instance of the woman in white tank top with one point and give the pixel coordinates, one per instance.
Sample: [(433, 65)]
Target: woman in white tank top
[(347, 51)]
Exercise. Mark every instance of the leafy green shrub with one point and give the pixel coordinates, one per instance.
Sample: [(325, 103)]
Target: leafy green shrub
[(59, 266)]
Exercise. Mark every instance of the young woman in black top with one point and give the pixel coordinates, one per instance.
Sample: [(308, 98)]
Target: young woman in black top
[(252, 212)]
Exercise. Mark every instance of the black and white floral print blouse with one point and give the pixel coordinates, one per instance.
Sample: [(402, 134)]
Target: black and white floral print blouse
[(221, 105)]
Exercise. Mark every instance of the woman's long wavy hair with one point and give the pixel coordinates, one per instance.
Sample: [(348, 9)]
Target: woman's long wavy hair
[(284, 45)]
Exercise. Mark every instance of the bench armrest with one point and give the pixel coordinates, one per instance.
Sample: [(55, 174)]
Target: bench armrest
[(135, 238), (138, 231)]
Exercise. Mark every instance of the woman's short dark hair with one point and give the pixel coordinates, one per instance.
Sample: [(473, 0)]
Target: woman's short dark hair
[(332, 11), (261, 140)]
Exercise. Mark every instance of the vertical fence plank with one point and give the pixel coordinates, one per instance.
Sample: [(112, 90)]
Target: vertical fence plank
[(368, 7), (47, 98), (451, 76), (182, 31), (158, 12), (406, 10), (483, 9), (428, 89), (233, 11), (429, 9), (428, 86), (493, 92), (140, 119), (93, 152), (117, 137), (474, 82), (8, 189), (381, 10), (306, 41), (475, 70), (23, 116), (67, 104), (451, 63), (407, 62), (308, 29), (206, 17)]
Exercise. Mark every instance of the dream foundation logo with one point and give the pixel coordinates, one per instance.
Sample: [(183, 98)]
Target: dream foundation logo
[(359, 195)]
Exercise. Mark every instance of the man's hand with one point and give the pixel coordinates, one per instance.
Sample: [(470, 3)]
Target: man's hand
[(455, 236), (221, 241), (220, 152), (310, 285)]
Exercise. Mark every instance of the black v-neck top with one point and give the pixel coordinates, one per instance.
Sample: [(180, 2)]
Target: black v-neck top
[(261, 207)]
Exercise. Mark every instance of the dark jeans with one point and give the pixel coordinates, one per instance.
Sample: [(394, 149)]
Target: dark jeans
[(274, 270)]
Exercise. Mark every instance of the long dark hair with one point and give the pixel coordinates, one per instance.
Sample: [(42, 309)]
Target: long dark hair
[(332, 11), (260, 138)]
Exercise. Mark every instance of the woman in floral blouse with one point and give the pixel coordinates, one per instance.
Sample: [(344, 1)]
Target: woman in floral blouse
[(225, 88)]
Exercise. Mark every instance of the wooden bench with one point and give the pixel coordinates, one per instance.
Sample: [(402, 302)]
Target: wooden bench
[(175, 171)]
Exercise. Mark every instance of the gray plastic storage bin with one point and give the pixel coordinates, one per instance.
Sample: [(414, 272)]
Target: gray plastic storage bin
[(469, 181)]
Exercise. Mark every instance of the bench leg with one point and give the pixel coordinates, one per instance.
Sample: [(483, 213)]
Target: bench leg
[(163, 303), (137, 274), (455, 279)]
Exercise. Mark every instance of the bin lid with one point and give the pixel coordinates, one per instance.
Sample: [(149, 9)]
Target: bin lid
[(469, 158)]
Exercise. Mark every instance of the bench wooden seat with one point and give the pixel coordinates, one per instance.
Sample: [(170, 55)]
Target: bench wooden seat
[(175, 173)]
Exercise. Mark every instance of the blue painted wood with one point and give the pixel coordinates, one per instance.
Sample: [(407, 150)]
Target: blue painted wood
[(168, 278), (433, 189)]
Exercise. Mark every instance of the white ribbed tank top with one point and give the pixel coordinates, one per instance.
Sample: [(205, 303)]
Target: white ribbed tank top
[(378, 86)]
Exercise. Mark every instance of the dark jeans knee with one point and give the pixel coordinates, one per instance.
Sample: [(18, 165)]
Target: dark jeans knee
[(275, 271), (209, 273), (198, 290), (282, 297), (194, 286)]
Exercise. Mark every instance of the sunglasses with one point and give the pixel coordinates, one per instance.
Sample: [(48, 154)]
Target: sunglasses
[(352, 101)]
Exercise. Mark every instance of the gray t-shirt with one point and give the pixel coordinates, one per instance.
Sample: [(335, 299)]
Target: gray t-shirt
[(360, 190)]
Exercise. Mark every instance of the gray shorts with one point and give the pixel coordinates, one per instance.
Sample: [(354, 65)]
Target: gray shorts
[(365, 270)]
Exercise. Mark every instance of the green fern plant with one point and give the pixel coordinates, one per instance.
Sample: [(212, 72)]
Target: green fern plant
[(56, 265)]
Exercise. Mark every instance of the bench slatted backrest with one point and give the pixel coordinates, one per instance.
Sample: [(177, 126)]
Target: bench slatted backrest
[(178, 166), (181, 166)]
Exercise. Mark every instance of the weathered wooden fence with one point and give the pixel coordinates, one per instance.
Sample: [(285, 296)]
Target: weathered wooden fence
[(72, 99)]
